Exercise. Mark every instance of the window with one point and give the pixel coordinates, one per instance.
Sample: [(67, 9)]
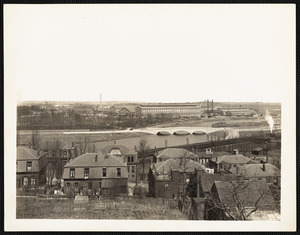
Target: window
[(17, 167), (68, 185), (132, 169), (72, 173), (118, 172), (32, 181), (128, 168), (166, 186), (100, 184), (90, 185), (29, 166), (130, 159), (25, 180), (103, 172), (86, 173), (275, 181)]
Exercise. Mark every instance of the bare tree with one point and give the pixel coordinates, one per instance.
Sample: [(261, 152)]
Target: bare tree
[(54, 166), (85, 144), (142, 148), (238, 207), (35, 139)]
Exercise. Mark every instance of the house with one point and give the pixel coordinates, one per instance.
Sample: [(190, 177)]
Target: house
[(128, 155), (204, 157), (241, 201), (229, 163), (128, 111), (96, 174), (168, 179), (30, 167), (174, 153), (259, 151), (265, 171), (58, 153), (202, 186)]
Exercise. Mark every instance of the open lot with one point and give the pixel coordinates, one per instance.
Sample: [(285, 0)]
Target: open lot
[(118, 208)]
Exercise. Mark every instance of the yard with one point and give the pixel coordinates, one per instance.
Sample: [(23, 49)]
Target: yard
[(129, 208)]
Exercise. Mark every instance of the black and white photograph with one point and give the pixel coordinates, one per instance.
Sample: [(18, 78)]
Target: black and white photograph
[(153, 117)]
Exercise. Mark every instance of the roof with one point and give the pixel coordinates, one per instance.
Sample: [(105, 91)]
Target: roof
[(166, 167), (175, 153), (167, 105), (233, 159), (247, 194), (258, 149), (215, 154), (207, 180), (129, 108), (24, 153), (123, 149), (88, 160), (256, 170)]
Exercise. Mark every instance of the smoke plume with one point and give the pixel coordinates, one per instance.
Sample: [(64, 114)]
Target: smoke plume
[(232, 134), (270, 120)]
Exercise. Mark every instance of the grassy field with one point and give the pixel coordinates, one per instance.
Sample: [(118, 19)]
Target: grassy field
[(120, 208)]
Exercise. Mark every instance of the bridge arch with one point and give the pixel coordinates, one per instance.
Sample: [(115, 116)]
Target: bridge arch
[(181, 132), (163, 133), (199, 133)]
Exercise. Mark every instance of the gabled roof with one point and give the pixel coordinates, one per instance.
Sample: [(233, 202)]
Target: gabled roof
[(233, 159), (166, 167), (207, 180), (123, 149), (24, 153), (247, 194), (256, 170), (215, 154), (88, 160), (173, 153), (129, 108)]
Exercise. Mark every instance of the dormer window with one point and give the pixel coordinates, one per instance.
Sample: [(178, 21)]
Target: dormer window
[(115, 152), (86, 173), (72, 173), (29, 166)]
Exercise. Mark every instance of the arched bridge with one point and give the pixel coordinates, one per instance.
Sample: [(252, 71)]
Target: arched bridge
[(161, 131)]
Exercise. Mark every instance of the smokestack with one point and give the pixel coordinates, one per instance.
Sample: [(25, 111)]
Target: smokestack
[(207, 106)]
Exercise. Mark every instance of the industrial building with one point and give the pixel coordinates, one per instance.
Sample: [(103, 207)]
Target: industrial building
[(173, 109)]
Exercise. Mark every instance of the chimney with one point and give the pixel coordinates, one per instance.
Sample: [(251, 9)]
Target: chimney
[(96, 158), (236, 151), (264, 167), (207, 106)]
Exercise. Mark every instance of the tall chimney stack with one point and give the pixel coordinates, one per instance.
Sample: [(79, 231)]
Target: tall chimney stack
[(207, 106)]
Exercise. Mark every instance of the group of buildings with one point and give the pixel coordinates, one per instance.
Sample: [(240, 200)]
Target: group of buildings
[(188, 109), (206, 179)]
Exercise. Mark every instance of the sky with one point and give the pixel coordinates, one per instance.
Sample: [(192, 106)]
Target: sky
[(150, 53)]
